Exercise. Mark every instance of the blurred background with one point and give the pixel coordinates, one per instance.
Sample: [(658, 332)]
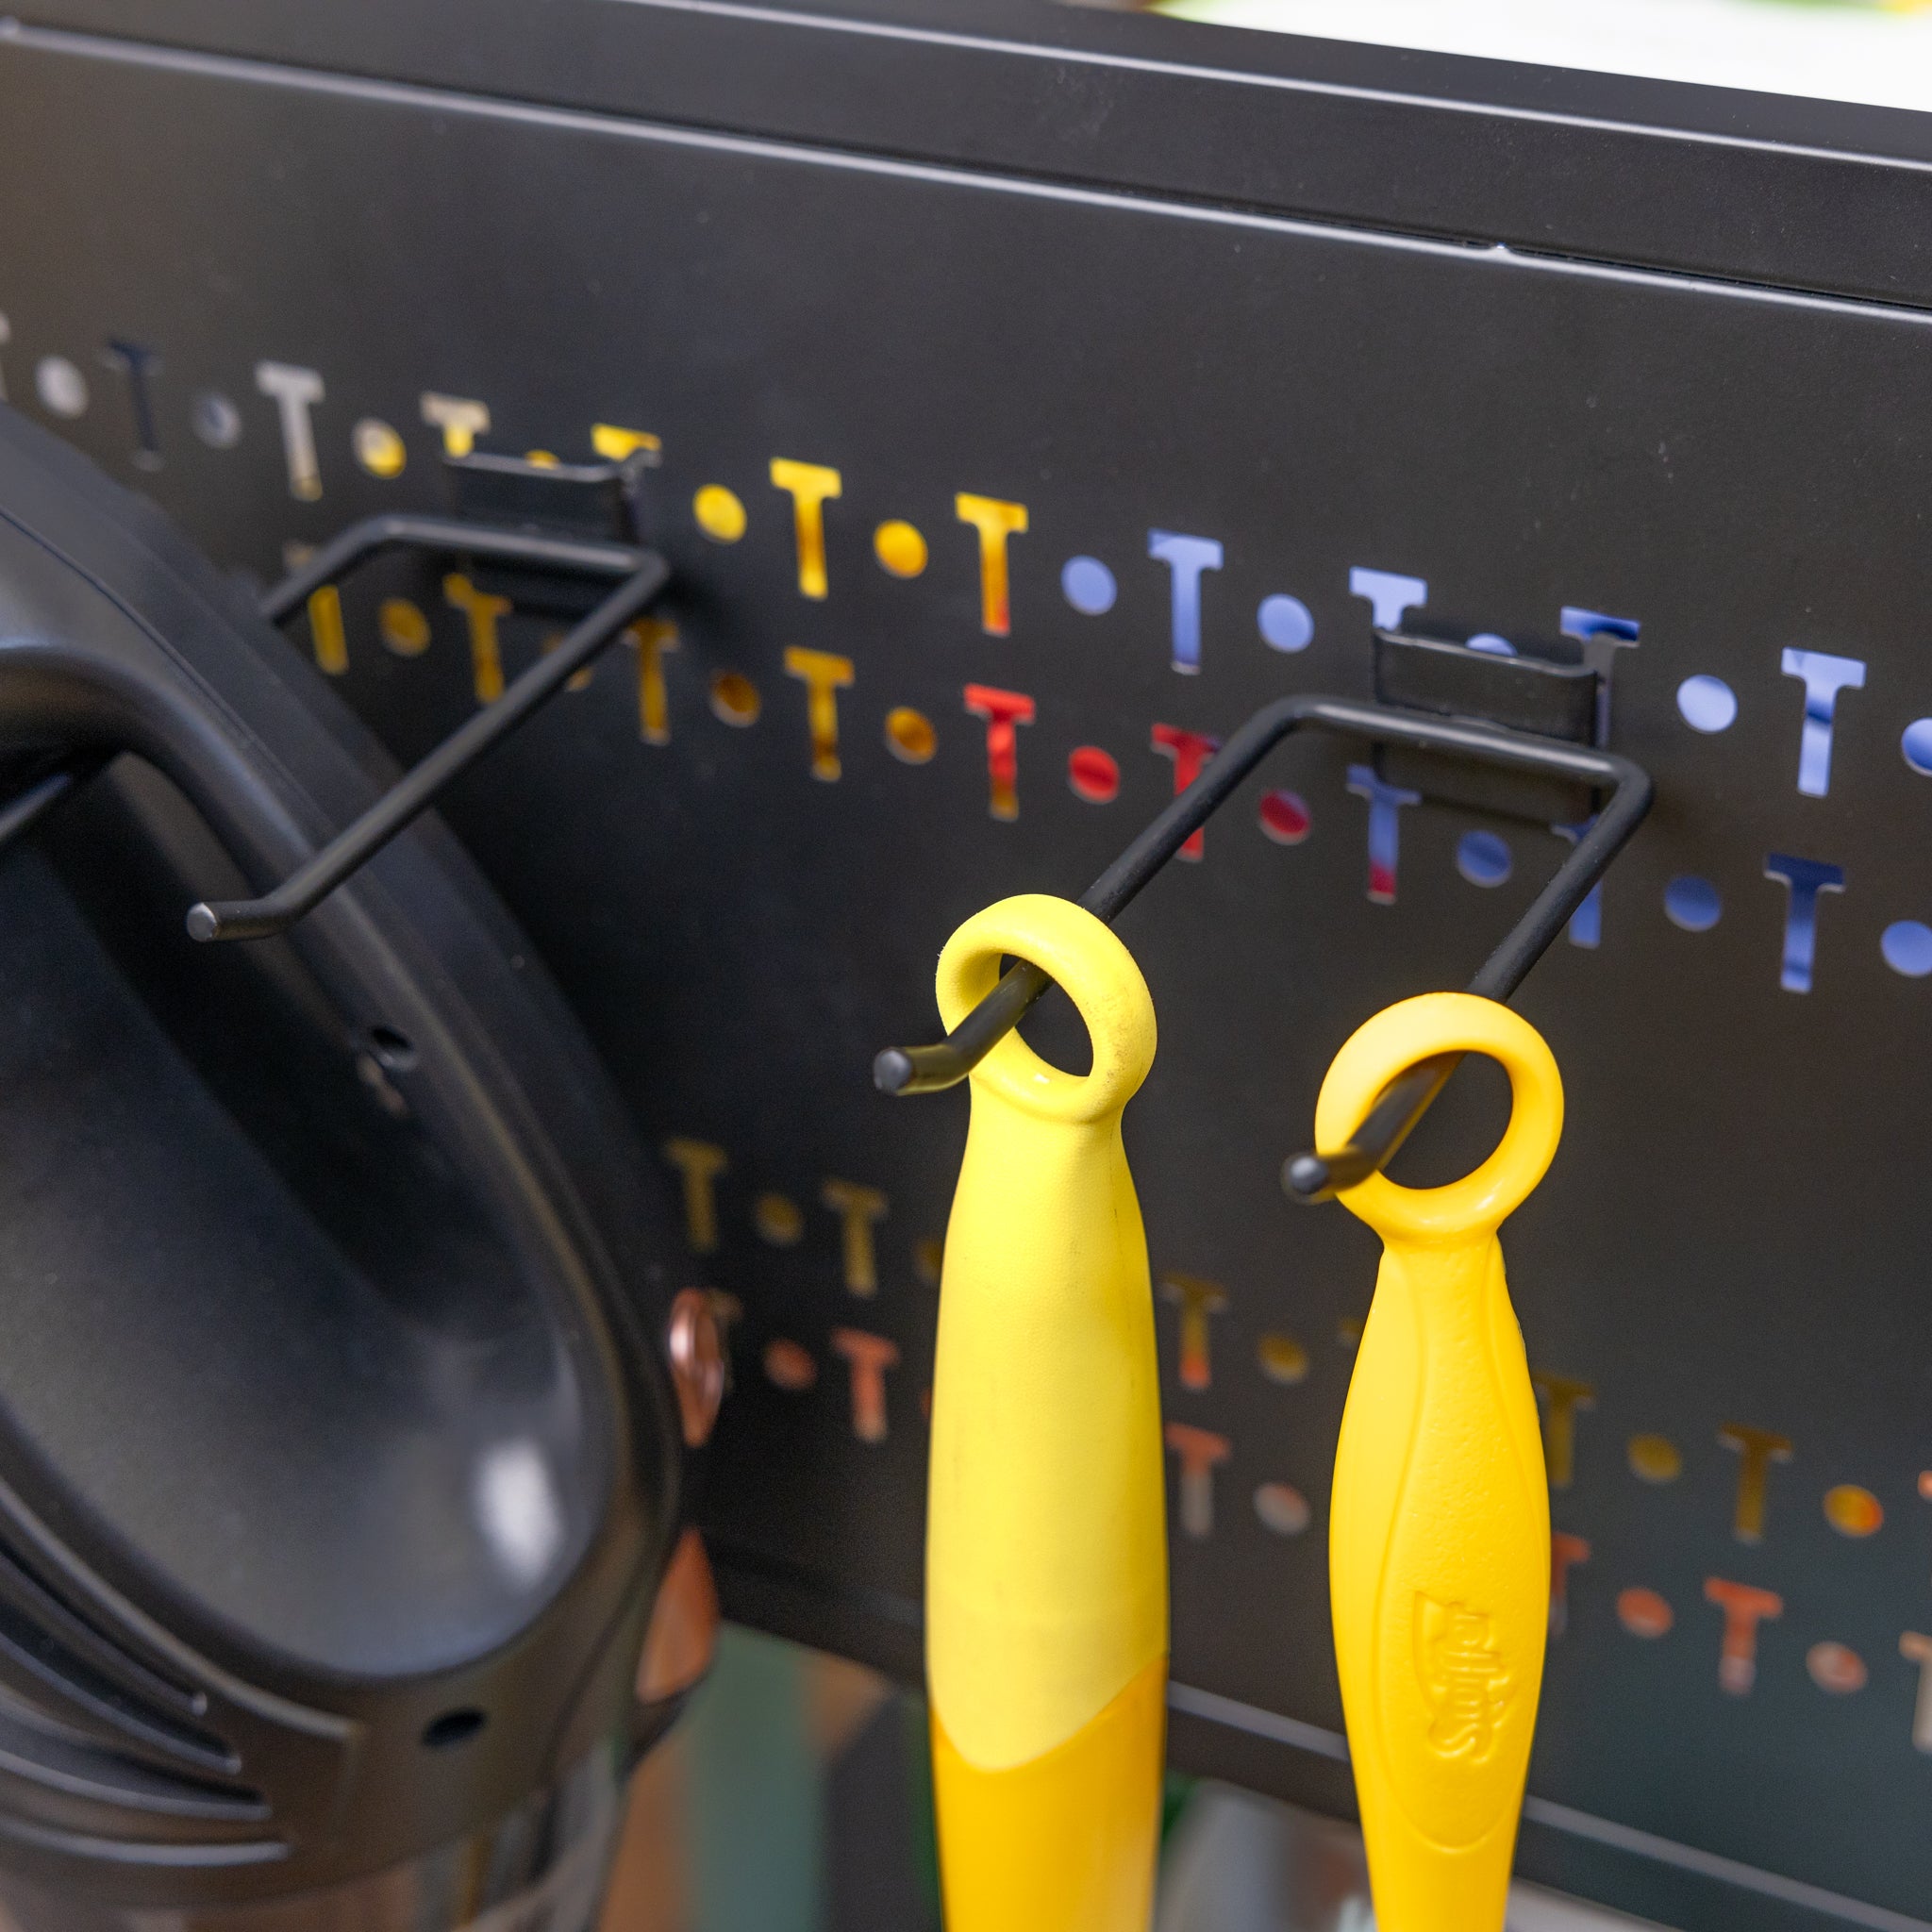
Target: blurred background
[(795, 1797), (1877, 52)]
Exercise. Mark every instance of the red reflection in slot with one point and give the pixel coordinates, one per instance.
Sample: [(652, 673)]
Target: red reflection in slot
[(1285, 817), (1190, 751), (1093, 774)]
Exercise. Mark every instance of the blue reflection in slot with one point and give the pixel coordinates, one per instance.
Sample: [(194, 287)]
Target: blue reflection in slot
[(1824, 676), (1805, 878), (1483, 859), (1706, 703), (1907, 947), (1389, 595), (1692, 903), (1586, 921), (1286, 622), (1185, 558), (1088, 585), (1385, 828)]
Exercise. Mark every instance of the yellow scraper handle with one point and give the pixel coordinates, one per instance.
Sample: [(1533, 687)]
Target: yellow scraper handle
[(1439, 1538), (1046, 1564)]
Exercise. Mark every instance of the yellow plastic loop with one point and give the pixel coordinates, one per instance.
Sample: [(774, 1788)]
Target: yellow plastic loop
[(1439, 1546), (1099, 976), (1396, 1040)]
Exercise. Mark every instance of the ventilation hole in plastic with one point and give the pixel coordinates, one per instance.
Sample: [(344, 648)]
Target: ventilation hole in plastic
[(453, 1728), (392, 1048)]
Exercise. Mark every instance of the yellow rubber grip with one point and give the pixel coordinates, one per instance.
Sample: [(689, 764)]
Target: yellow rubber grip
[(1046, 1564), (1066, 1841), (1439, 1536)]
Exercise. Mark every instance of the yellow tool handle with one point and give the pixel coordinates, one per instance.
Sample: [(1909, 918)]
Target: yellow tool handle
[(1439, 1536), (1046, 1559)]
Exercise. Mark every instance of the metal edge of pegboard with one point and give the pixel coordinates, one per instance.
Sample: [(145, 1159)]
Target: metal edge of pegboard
[(1535, 161)]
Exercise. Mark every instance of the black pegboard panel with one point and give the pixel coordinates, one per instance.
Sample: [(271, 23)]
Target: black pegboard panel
[(1721, 1281)]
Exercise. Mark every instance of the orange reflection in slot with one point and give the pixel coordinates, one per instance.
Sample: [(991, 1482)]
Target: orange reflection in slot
[(326, 630), (1744, 1608), (788, 1366), (1566, 1552), (824, 675), (1759, 1449), (481, 610), (1837, 1668), (1198, 1301), (651, 637), (1645, 1613), (858, 1208), (615, 444), (698, 1163), (462, 419), (811, 485), (1852, 1511), (1200, 1451), (870, 1356), (1564, 1395), (996, 522)]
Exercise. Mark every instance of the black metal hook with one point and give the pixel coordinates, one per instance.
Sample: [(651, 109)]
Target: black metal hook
[(644, 577), (1310, 1177), (449, 537), (28, 807)]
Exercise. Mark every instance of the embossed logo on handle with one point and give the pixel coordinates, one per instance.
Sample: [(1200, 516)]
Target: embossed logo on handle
[(1465, 1679)]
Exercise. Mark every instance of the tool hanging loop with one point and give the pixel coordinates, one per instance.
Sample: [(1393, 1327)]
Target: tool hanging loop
[(1046, 1556), (1100, 979), (1407, 1035), (1439, 1538)]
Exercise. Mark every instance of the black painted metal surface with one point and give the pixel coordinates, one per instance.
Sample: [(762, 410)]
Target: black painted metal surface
[(943, 269)]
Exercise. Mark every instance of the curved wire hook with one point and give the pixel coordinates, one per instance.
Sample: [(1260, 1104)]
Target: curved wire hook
[(1311, 1178)]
